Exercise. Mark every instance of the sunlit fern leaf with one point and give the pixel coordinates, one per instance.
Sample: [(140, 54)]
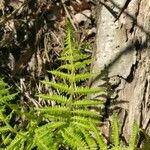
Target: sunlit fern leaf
[(85, 120), (77, 65), (86, 113), (41, 131), (89, 140), (63, 75), (57, 98), (119, 148), (4, 91), (6, 139), (44, 135), (16, 143), (54, 118), (80, 125), (83, 76), (74, 139), (5, 95), (4, 129), (60, 86), (98, 137), (115, 130), (67, 76), (56, 111), (75, 57), (67, 108), (87, 90), (7, 98), (134, 136)]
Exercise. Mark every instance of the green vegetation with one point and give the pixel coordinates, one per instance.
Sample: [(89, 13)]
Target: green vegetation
[(70, 120)]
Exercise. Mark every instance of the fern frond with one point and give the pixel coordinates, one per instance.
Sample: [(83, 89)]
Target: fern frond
[(62, 75), (115, 130), (57, 98), (98, 137), (45, 142), (74, 114), (44, 136), (4, 129), (86, 113), (134, 136), (77, 65), (3, 84), (16, 143), (80, 125), (89, 140), (76, 78), (75, 57), (85, 120), (87, 90), (6, 139), (4, 91), (7, 98), (60, 86), (74, 139), (56, 111), (41, 131), (83, 76), (5, 95)]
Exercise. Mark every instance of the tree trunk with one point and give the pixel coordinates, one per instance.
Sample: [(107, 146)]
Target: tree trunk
[(123, 49)]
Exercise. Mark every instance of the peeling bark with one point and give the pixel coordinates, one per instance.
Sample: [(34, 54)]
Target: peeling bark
[(122, 47)]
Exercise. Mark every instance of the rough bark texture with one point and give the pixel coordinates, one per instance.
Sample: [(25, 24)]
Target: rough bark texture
[(123, 49)]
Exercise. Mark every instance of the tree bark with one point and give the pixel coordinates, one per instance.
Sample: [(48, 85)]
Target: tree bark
[(123, 49)]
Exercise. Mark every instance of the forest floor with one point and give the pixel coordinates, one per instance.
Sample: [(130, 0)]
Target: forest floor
[(32, 37)]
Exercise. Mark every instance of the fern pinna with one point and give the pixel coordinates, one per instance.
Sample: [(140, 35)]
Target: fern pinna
[(116, 140), (70, 118), (5, 113)]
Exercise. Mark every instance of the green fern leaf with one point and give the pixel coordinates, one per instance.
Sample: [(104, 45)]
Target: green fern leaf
[(74, 139), (115, 130), (62, 75), (57, 98), (134, 136), (41, 131), (98, 137), (56, 111), (76, 114), (6, 139), (75, 57), (4, 129), (76, 78), (4, 91), (85, 120), (89, 140), (7, 98), (62, 87), (83, 76), (87, 90), (44, 135), (80, 125), (86, 113), (2, 84), (77, 65), (16, 143)]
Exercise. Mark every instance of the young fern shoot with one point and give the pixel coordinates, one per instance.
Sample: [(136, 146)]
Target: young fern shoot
[(72, 107)]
